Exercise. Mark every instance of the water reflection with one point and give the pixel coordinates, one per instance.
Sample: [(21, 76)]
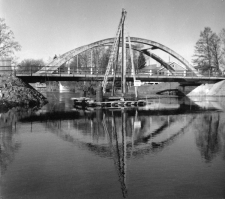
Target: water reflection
[(121, 135), (118, 153), (8, 147), (8, 128), (210, 135)]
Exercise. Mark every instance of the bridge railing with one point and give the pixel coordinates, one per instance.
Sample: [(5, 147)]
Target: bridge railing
[(46, 70), (100, 72)]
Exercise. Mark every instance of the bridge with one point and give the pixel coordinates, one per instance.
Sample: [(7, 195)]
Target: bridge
[(144, 76), (52, 71)]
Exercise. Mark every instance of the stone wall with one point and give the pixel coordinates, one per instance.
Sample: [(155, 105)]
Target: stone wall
[(15, 92)]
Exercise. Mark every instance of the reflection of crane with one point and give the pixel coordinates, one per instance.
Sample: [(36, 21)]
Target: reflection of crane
[(119, 160), (55, 128)]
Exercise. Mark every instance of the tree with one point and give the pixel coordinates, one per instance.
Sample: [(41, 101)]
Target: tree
[(222, 40), (96, 57), (207, 51), (141, 61), (216, 52), (104, 59), (31, 65), (7, 44), (203, 54)]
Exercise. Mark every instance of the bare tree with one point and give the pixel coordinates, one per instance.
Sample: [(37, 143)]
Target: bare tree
[(203, 56), (99, 60), (208, 53), (7, 44), (222, 39), (31, 65), (215, 48)]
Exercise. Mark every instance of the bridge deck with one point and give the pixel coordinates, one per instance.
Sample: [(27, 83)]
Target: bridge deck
[(37, 77)]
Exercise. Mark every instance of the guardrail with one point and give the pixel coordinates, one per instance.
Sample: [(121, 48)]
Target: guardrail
[(99, 72)]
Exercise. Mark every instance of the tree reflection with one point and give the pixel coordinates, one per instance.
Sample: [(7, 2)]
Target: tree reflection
[(210, 135), (8, 125), (8, 145), (8, 148)]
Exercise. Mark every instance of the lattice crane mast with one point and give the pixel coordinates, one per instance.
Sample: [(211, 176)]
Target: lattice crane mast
[(113, 51)]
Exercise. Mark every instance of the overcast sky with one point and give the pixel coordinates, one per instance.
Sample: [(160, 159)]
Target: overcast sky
[(48, 27)]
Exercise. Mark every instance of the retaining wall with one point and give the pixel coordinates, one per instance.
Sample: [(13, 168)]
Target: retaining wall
[(217, 89)]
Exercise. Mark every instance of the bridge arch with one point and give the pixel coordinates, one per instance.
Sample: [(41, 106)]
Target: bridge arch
[(56, 63), (147, 53)]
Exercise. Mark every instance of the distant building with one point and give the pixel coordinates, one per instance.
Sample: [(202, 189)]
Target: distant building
[(153, 69), (179, 70), (150, 69)]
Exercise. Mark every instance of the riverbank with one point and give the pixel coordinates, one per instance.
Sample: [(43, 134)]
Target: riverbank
[(14, 92)]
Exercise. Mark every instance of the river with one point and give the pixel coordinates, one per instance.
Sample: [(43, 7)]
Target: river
[(172, 148)]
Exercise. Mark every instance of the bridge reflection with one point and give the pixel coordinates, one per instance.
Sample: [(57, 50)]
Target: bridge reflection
[(117, 135), (122, 135)]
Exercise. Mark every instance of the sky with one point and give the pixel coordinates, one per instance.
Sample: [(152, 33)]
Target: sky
[(47, 27)]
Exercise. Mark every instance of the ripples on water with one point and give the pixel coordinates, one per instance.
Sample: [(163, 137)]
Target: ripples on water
[(172, 148)]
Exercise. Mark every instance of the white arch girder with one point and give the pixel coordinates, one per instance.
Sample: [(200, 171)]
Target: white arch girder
[(56, 63)]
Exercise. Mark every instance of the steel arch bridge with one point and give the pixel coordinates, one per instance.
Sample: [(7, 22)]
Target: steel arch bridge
[(56, 63)]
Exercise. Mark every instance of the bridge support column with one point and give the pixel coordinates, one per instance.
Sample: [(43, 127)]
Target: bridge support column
[(99, 94), (63, 88), (68, 69)]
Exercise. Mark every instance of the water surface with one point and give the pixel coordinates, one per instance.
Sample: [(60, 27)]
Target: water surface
[(172, 148)]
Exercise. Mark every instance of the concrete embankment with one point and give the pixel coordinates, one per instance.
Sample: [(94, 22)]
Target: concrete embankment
[(217, 89), (15, 92)]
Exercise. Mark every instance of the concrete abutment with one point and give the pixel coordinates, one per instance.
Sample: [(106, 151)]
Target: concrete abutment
[(216, 89)]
